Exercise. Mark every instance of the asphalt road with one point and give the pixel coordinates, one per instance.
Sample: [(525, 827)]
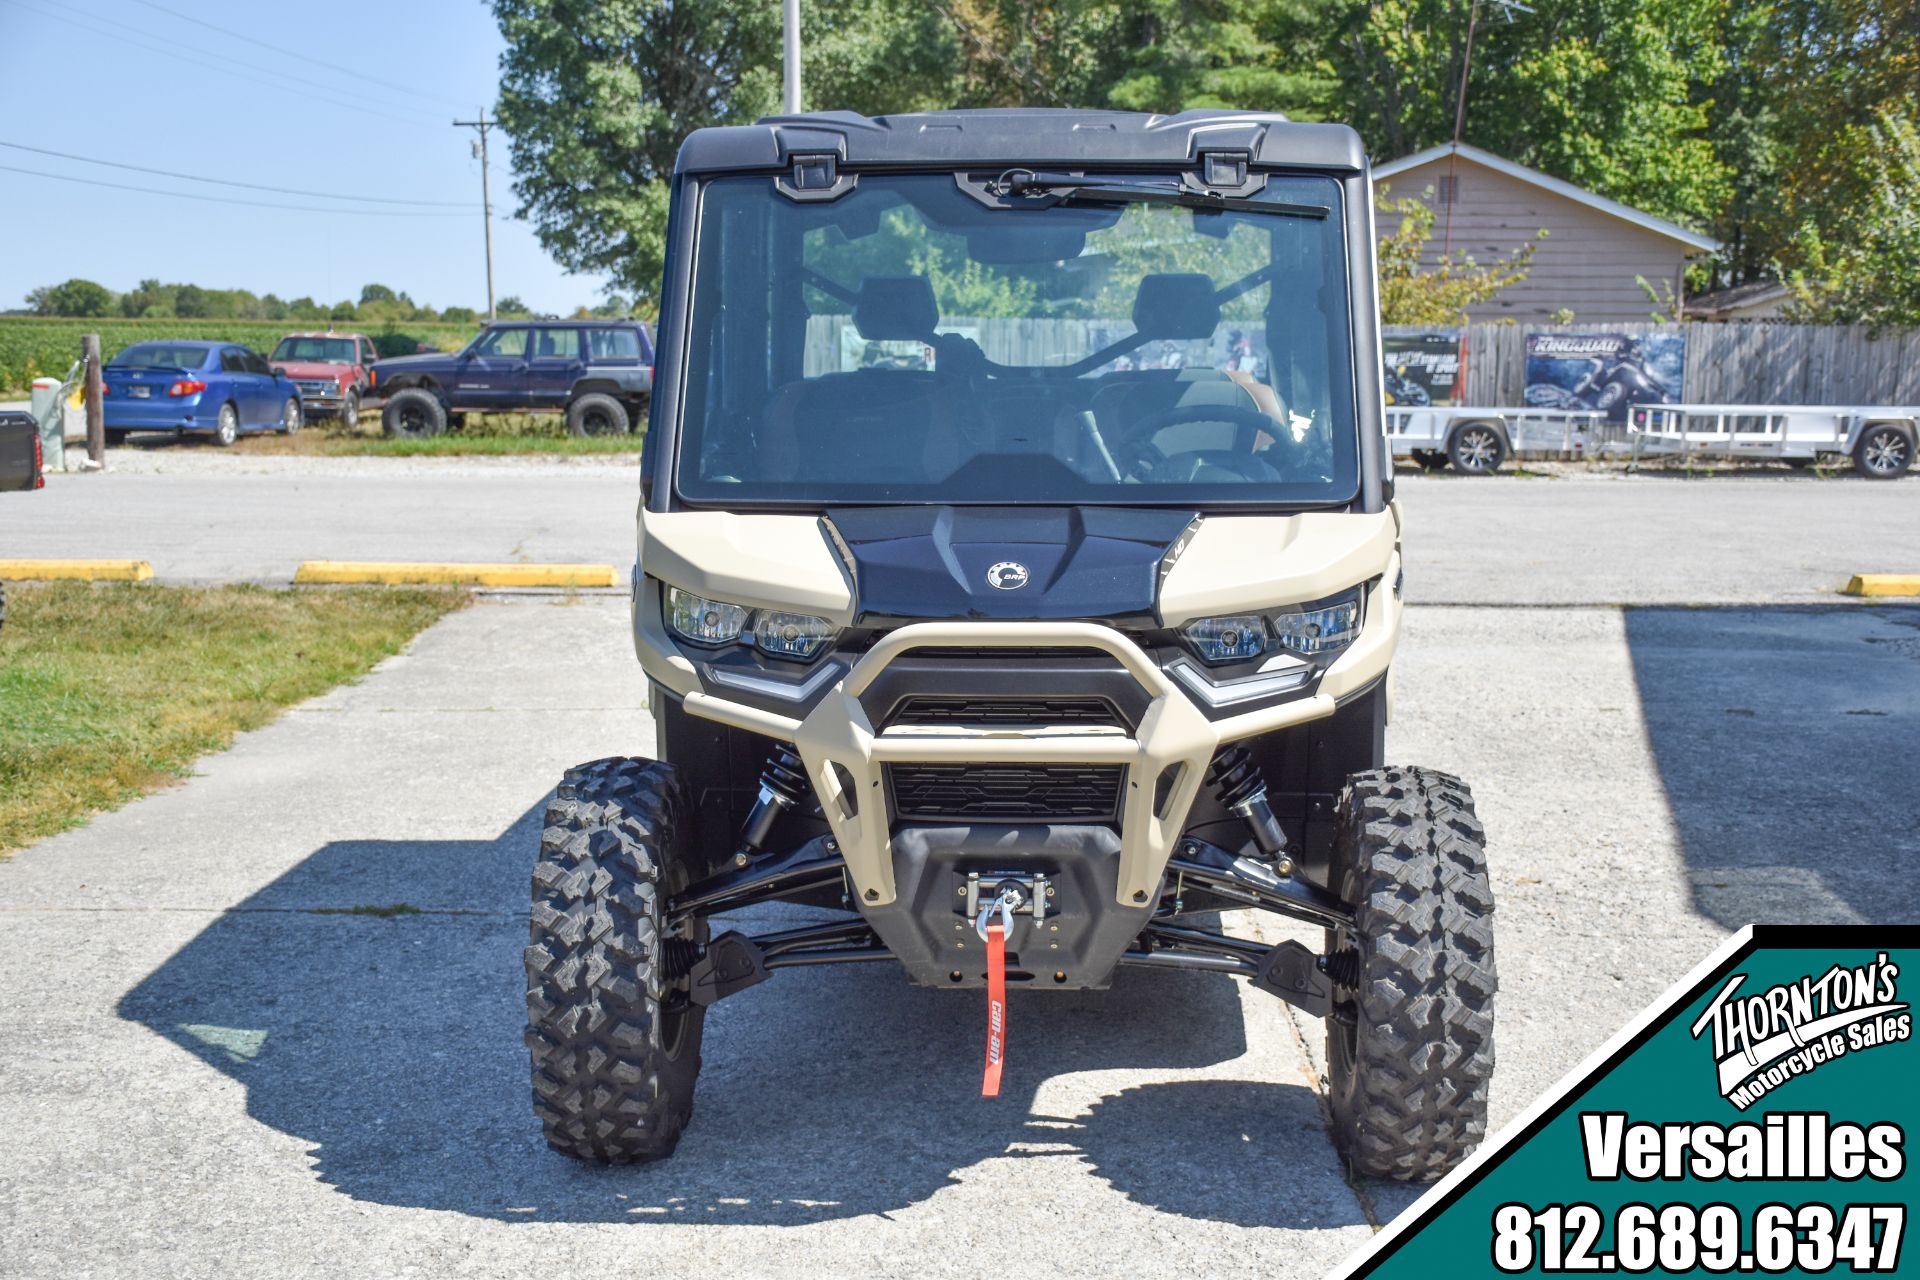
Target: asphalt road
[(1597, 538)]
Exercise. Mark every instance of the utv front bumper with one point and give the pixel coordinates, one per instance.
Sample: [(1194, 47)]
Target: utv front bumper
[(1164, 756)]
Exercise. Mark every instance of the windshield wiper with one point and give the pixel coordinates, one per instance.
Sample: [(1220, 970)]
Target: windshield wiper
[(1074, 190)]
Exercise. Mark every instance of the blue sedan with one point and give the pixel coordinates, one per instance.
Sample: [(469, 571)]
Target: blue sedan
[(216, 388)]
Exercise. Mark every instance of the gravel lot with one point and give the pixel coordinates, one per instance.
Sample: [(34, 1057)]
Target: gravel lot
[(211, 1065)]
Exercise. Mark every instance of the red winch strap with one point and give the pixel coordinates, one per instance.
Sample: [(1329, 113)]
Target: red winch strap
[(996, 1009)]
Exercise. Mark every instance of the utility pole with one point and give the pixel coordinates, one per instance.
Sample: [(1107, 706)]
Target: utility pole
[(1460, 110), (486, 200), (792, 47)]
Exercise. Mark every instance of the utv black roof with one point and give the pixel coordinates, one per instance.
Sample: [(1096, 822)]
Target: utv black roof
[(1021, 136)]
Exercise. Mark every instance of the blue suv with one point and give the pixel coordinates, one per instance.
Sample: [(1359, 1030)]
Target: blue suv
[(598, 372)]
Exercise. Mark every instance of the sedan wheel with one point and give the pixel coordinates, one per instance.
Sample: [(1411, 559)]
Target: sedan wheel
[(290, 417), (227, 430)]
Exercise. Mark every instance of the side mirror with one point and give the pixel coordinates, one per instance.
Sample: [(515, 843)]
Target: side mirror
[(278, 372)]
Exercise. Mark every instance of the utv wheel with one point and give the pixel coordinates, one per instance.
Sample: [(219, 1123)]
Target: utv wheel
[(1883, 452), (227, 428), (614, 1040), (597, 414), (1476, 450), (1410, 1042), (414, 414)]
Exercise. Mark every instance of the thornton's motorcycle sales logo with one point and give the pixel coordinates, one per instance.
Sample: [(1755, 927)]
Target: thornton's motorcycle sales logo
[(1764, 1039)]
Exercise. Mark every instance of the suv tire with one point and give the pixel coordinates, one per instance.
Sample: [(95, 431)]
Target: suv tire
[(1883, 452), (597, 414), (350, 411), (615, 1048), (1410, 1040), (1476, 449), (414, 414)]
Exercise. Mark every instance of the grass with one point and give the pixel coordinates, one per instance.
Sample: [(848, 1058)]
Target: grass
[(484, 435), (109, 692)]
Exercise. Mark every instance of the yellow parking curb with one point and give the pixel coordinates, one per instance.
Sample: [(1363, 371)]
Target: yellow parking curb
[(76, 570), (480, 575), (1884, 584)]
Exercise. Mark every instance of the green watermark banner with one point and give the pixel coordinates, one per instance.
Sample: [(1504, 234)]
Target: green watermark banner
[(1754, 1121)]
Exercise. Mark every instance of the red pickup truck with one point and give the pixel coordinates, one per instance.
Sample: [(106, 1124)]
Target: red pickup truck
[(332, 370)]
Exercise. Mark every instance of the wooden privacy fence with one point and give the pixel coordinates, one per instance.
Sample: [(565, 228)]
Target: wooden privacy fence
[(1746, 363)]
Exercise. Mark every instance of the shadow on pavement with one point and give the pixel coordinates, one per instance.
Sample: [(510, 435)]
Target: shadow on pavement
[(391, 1043), (1788, 741)]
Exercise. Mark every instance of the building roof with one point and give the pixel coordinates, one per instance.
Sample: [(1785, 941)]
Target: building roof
[(1659, 226), (1756, 296)]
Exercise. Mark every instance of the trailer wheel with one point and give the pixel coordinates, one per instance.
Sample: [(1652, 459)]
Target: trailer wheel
[(1410, 1037), (1476, 449), (1884, 451), (613, 1036)]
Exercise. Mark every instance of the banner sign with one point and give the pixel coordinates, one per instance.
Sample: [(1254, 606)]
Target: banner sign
[(1608, 372), (1425, 369), (1754, 1121)]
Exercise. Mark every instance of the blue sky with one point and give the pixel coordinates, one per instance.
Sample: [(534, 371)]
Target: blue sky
[(122, 80)]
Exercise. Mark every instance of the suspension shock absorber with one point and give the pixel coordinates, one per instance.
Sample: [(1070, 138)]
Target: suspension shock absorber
[(783, 784), (1242, 789)]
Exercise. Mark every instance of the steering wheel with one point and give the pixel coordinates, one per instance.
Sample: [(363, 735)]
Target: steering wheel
[(1141, 458)]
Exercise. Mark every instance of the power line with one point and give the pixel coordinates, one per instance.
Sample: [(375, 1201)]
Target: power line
[(227, 182), (86, 21), (257, 204), (293, 53)]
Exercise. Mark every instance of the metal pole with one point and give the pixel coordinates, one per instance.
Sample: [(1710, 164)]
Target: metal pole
[(96, 410), (792, 43), (486, 199)]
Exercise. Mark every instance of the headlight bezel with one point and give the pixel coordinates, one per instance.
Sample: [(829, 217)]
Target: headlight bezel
[(1285, 631), (766, 631)]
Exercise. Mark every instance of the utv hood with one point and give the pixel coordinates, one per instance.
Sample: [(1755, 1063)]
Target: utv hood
[(996, 563)]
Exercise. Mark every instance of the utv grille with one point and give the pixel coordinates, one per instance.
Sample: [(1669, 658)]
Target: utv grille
[(1005, 793), (930, 710)]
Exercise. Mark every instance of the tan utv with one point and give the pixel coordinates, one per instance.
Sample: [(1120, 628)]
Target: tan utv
[(1018, 581)]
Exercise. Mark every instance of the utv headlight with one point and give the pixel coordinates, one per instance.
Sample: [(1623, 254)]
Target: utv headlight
[(775, 633), (1232, 639), (704, 621), (1309, 630), (791, 635), (1325, 626)]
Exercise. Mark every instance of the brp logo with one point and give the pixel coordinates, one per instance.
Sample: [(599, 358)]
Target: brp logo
[(1008, 575)]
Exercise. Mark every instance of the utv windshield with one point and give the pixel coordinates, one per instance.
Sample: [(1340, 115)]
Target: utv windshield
[(945, 338)]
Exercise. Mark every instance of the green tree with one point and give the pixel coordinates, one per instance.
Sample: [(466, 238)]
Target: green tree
[(377, 293), (1865, 268), (190, 302), (74, 297), (512, 306), (1602, 93), (459, 315)]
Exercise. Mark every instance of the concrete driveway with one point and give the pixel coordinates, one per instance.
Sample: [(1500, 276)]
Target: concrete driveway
[(226, 1053)]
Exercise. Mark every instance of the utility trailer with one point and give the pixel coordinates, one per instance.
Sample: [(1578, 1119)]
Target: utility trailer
[(1880, 439), (1476, 441)]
